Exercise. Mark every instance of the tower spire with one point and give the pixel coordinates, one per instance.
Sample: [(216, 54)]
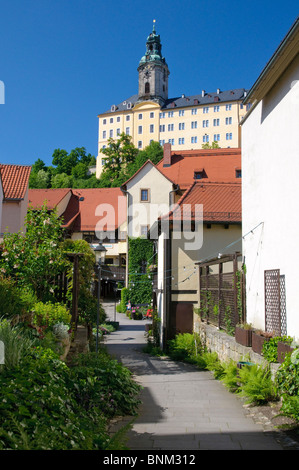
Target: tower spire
[(153, 70)]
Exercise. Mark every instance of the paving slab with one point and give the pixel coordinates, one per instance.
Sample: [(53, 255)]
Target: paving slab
[(182, 408)]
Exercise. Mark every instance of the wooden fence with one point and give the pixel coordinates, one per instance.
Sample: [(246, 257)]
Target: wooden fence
[(222, 291)]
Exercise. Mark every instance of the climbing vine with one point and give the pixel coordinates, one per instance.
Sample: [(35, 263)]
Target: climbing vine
[(141, 251)]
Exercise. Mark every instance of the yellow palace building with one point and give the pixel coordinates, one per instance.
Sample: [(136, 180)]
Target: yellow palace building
[(187, 122)]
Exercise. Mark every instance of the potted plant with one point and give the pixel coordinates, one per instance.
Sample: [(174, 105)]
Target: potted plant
[(284, 346), (243, 334), (258, 339)]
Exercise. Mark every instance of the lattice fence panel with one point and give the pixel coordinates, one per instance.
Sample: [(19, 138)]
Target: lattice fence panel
[(272, 301)]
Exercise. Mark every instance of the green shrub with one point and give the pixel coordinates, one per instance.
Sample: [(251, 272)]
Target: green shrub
[(105, 383), (17, 344), (14, 301), (47, 405), (290, 406), (256, 384), (230, 376), (48, 314), (270, 347), (287, 376), (184, 347), (125, 297)]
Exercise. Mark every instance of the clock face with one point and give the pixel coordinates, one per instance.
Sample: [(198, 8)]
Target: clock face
[(147, 73)]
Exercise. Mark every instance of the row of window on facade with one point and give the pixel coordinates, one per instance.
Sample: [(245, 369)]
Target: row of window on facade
[(169, 128), (180, 112), (194, 139), (183, 141)]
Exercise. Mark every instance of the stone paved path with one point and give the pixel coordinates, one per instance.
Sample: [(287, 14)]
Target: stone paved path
[(182, 408)]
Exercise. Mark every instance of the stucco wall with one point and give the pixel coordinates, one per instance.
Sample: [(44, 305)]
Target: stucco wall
[(146, 213), (215, 240), (270, 194)]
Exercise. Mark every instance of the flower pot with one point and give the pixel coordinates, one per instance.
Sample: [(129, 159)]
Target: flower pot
[(257, 342), (282, 350), (243, 336)]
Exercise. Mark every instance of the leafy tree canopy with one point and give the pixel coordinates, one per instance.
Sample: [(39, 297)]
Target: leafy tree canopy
[(70, 170)]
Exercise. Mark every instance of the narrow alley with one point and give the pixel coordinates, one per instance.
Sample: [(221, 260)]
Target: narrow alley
[(182, 408)]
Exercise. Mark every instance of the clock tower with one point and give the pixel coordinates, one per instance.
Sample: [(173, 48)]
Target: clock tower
[(153, 71)]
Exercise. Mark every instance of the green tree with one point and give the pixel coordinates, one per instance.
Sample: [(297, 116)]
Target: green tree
[(61, 180), (118, 155), (35, 258), (39, 179), (213, 145), (153, 152)]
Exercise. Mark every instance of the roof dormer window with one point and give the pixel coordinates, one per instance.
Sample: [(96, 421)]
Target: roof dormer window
[(199, 174)]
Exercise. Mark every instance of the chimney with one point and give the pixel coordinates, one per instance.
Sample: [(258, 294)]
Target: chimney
[(167, 154), (203, 93), (218, 91)]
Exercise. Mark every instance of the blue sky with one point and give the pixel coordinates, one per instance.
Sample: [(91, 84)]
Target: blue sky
[(65, 61)]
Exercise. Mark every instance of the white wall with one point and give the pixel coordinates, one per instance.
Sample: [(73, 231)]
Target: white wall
[(143, 213), (270, 195)]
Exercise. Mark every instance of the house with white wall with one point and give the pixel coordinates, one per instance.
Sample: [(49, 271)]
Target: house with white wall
[(15, 184), (205, 223), (270, 191)]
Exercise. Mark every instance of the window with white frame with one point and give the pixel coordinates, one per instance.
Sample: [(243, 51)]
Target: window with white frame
[(193, 124), (171, 141), (228, 107), (111, 120), (139, 144), (228, 120), (127, 131), (118, 119), (104, 121), (194, 111), (181, 126), (162, 127), (162, 115), (229, 136), (104, 134), (216, 109), (170, 113), (216, 137), (205, 109), (118, 131), (151, 128), (139, 129), (181, 112), (170, 127), (143, 230), (205, 138), (152, 115), (205, 123), (111, 133), (194, 140), (181, 141), (140, 116), (127, 117)]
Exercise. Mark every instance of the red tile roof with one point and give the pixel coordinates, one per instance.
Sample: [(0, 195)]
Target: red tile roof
[(83, 211), (15, 180), (221, 202), (51, 197), (220, 165), (99, 209)]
